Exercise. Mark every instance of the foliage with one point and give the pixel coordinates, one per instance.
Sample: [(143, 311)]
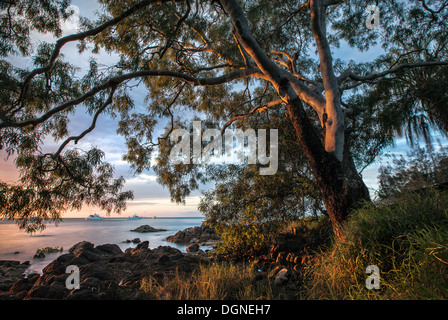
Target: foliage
[(406, 240), (50, 186), (192, 61), (212, 282), (247, 209), (20, 18), (49, 250), (422, 168)]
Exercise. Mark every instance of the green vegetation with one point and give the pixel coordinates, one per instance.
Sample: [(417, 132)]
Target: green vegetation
[(213, 282), (408, 241), (49, 250), (231, 64), (257, 64)]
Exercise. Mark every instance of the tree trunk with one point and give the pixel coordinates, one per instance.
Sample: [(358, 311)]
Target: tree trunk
[(341, 186)]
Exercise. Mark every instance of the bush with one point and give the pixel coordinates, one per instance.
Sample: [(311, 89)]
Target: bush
[(211, 282), (408, 241), (242, 240)]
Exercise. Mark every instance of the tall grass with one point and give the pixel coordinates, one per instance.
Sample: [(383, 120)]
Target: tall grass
[(407, 240), (220, 281)]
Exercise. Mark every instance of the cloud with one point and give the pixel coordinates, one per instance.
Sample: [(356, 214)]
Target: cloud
[(71, 25), (143, 178), (141, 203)]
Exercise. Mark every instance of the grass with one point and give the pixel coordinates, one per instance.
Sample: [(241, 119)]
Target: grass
[(408, 241), (219, 281)]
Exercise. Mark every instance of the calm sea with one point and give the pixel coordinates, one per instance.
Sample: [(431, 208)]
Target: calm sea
[(17, 245)]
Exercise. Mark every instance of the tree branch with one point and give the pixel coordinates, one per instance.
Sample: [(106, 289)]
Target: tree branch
[(425, 6), (76, 37), (179, 23), (334, 133), (92, 126), (279, 78), (332, 2), (259, 109), (115, 81), (348, 74)]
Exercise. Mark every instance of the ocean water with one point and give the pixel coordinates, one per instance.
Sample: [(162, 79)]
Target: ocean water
[(15, 244)]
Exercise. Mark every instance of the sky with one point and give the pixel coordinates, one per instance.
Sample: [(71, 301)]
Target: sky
[(150, 198)]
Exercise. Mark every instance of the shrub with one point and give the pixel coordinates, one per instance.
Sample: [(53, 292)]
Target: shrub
[(408, 241), (211, 282)]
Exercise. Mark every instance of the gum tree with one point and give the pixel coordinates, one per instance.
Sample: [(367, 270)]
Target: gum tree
[(227, 60)]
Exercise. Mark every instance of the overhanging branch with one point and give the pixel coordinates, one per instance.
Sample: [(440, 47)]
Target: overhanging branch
[(92, 126), (115, 81), (257, 109), (348, 74), (77, 37)]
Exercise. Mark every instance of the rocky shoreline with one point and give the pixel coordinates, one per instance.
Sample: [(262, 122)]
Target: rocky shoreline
[(105, 272), (196, 237), (10, 272)]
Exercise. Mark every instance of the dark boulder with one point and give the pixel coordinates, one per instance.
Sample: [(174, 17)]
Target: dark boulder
[(105, 272), (147, 228), (202, 235)]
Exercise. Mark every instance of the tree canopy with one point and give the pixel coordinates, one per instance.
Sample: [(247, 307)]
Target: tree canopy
[(233, 63)]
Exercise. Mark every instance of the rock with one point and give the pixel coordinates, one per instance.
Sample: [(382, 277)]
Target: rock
[(165, 260), (80, 246), (11, 271), (135, 240), (193, 248), (209, 243), (199, 234), (204, 237), (281, 277), (22, 285), (142, 245), (39, 255), (105, 272), (95, 270), (111, 248), (147, 228), (89, 255)]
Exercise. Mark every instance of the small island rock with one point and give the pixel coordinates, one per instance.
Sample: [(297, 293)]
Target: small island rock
[(147, 228)]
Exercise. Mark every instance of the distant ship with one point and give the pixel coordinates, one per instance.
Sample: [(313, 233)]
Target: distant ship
[(134, 217), (94, 217)]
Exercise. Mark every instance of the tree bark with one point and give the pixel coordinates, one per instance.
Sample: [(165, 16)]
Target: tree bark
[(341, 186)]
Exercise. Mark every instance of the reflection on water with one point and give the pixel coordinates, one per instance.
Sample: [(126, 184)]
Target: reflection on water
[(17, 245)]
